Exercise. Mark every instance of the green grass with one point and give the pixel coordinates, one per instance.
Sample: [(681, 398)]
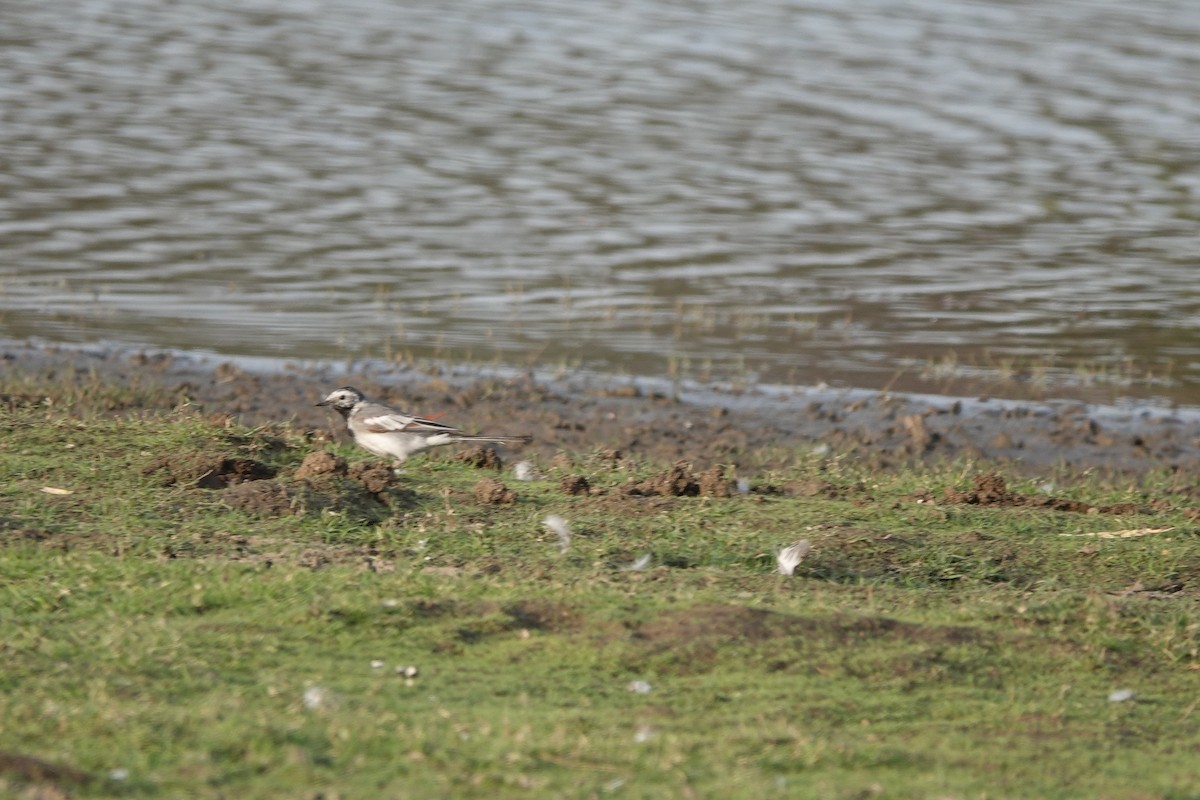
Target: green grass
[(923, 649)]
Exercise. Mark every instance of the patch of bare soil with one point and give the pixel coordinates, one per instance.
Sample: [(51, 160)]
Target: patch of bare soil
[(323, 481), (268, 552), (14, 534), (854, 556), (35, 770), (750, 429), (268, 499), (364, 494), (990, 489), (206, 470), (681, 481), (694, 637), (481, 620), (819, 488), (543, 615)]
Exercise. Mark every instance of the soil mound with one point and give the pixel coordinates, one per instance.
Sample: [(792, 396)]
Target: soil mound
[(493, 492), (990, 489), (680, 481)]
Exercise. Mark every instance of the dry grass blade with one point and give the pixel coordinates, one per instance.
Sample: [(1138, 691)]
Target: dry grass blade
[(1131, 533)]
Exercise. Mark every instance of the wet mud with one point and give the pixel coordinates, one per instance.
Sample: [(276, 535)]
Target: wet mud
[(748, 429)]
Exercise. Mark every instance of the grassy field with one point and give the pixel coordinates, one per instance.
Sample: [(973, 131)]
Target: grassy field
[(188, 608)]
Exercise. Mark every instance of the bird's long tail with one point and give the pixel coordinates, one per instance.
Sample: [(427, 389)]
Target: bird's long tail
[(496, 439)]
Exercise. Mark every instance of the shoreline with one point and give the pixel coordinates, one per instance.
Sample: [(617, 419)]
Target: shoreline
[(753, 428)]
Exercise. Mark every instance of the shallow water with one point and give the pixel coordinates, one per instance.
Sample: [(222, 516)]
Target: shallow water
[(789, 192)]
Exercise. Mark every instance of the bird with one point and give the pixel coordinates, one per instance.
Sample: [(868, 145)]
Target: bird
[(390, 433)]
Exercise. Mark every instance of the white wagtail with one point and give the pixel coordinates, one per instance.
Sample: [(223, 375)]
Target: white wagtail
[(393, 434)]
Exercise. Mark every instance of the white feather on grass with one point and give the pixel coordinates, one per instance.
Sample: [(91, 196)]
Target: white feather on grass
[(790, 557), (559, 527), (639, 563), (316, 698), (524, 471)]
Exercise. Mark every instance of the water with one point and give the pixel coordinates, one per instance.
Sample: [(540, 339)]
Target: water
[(780, 191)]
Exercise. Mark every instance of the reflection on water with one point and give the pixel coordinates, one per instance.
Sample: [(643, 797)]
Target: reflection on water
[(783, 190)]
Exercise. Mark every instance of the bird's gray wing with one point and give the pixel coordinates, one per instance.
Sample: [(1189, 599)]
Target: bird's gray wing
[(378, 418)]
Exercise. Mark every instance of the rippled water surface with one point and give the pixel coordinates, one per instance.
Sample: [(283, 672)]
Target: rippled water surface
[(781, 190)]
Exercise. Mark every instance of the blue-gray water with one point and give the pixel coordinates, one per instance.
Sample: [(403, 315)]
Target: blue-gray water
[(788, 191)]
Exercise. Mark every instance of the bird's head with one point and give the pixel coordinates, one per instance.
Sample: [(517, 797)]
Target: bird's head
[(343, 399)]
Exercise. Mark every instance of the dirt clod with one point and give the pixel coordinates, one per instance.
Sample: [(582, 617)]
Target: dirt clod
[(493, 492), (678, 481), (321, 462), (1003, 441), (608, 455), (812, 488), (375, 477), (919, 435), (575, 485), (481, 458), (713, 483), (988, 489)]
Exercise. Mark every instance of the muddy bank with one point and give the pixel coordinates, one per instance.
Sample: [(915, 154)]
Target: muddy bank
[(752, 428)]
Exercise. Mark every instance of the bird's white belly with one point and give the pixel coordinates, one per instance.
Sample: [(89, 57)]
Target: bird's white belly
[(381, 444), (400, 445)]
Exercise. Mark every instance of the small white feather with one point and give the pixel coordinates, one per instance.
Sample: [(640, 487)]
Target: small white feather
[(639, 563), (790, 557), (559, 527), (316, 697)]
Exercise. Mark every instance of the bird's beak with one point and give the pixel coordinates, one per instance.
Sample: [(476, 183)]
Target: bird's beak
[(323, 403)]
